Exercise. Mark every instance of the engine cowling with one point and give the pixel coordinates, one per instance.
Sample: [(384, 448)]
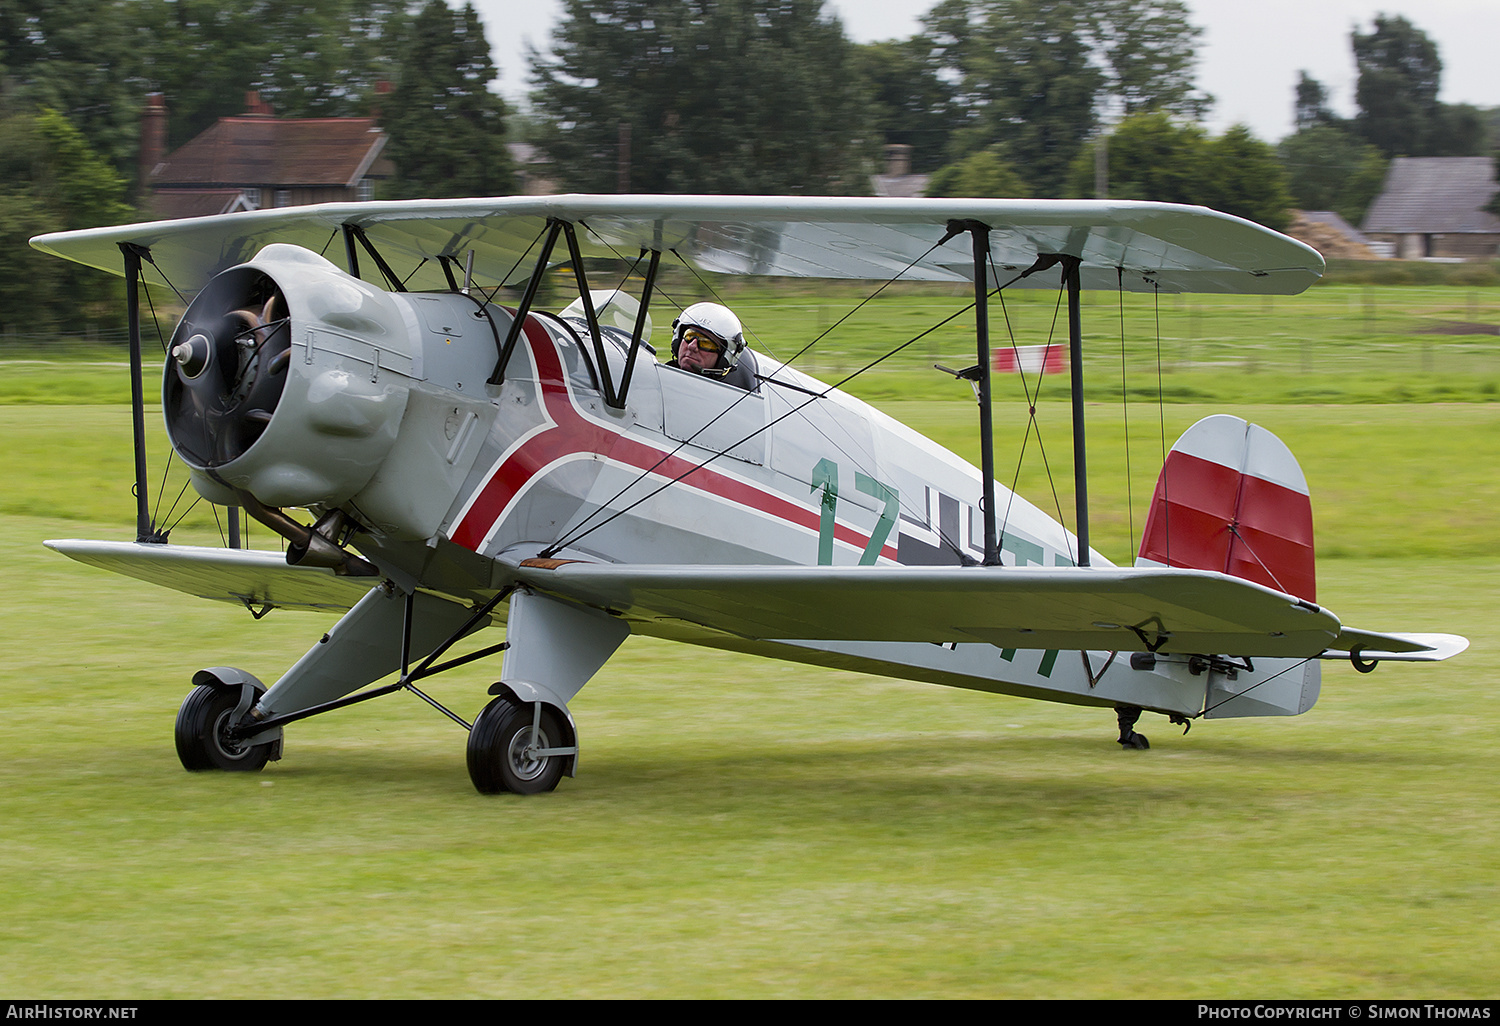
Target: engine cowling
[(286, 380)]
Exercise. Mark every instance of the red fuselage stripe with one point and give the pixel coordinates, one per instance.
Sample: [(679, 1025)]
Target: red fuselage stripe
[(574, 435)]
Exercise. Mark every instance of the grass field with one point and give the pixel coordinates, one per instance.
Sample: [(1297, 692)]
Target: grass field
[(746, 828)]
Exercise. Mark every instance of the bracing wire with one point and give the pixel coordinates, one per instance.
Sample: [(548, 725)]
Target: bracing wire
[(1032, 399), (1161, 420), (578, 532), (489, 297), (420, 264), (1125, 408), (1239, 694)]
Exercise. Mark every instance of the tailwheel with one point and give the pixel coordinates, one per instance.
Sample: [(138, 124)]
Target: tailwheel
[(519, 747), (1127, 715), (203, 724)]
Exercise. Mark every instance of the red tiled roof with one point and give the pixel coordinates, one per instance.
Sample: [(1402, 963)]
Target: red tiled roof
[(261, 151), (175, 203)]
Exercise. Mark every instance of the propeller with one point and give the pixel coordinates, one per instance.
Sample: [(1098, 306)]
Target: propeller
[(226, 367)]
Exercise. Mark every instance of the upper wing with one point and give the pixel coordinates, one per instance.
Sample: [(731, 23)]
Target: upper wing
[(1140, 246), (253, 578), (1118, 609)]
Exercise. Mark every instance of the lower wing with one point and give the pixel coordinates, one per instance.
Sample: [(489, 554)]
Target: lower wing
[(1064, 608), (257, 579)]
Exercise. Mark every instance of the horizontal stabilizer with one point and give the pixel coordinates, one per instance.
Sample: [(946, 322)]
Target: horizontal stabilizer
[(1402, 648), (249, 577), (1065, 608)]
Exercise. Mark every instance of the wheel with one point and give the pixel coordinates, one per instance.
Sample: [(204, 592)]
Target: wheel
[(201, 725), (1135, 741), (503, 749)]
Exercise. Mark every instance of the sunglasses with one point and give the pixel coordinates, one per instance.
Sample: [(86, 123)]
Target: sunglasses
[(703, 340)]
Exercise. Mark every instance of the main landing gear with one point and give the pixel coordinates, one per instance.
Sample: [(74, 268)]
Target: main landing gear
[(204, 741), (521, 747), (523, 741)]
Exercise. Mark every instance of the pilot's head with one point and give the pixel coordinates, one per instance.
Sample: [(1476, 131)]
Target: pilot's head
[(707, 338)]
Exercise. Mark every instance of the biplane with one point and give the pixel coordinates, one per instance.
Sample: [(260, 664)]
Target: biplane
[(439, 462)]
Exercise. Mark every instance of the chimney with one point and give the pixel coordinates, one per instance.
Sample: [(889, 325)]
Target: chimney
[(255, 107), (153, 143), (383, 90), (897, 159)]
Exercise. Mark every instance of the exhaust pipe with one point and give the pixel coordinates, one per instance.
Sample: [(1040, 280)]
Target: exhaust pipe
[(311, 546)]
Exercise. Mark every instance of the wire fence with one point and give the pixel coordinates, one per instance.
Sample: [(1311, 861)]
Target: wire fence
[(1330, 329)]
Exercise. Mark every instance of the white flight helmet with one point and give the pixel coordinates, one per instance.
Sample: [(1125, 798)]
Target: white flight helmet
[(720, 322)]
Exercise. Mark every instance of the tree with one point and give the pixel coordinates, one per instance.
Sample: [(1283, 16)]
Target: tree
[(1025, 71), (1327, 167), (909, 103), (1400, 74), (1243, 177), (1311, 107), (94, 61), (306, 58), (1156, 157), (447, 130), (75, 57), (1037, 75), (986, 173), (51, 179), (1149, 50), (1151, 157), (715, 96)]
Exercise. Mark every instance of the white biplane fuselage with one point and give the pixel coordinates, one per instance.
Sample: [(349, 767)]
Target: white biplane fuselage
[(692, 471)]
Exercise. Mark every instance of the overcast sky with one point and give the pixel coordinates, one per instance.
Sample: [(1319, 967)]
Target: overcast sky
[(1249, 55)]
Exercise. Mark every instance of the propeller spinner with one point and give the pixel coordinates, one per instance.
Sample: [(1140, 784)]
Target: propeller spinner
[(227, 367)]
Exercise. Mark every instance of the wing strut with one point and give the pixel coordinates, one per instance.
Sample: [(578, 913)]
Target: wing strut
[(145, 530), (980, 233), (554, 228), (640, 322), (1070, 266), (353, 233), (592, 316)]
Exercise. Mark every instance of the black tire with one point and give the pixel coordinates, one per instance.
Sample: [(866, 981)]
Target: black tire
[(201, 723), (1136, 741), (498, 756)]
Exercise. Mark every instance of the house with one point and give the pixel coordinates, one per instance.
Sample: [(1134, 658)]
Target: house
[(1433, 208), (256, 160)]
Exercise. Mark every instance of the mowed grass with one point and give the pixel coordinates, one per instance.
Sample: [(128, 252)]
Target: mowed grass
[(747, 828), (741, 827)]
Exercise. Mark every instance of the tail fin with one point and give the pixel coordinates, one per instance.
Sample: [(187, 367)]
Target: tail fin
[(1232, 498)]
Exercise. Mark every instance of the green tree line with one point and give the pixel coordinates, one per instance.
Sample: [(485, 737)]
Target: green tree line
[(1043, 98)]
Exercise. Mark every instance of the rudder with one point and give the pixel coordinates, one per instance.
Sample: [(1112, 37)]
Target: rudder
[(1232, 498)]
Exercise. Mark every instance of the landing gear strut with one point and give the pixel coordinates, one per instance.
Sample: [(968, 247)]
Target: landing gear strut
[(1127, 715)]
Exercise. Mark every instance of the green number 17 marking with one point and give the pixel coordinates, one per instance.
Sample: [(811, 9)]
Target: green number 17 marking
[(825, 475)]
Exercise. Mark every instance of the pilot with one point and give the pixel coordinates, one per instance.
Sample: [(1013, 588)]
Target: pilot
[(707, 339)]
